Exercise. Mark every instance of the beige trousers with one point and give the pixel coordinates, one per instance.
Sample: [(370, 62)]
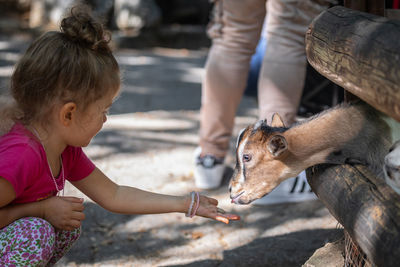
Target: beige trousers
[(235, 31)]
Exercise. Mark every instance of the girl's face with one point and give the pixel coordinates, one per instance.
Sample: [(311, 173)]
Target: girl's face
[(90, 122)]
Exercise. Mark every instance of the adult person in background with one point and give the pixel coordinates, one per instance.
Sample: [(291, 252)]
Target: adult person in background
[(235, 31)]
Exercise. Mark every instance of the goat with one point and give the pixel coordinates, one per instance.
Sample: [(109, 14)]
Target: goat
[(266, 155)]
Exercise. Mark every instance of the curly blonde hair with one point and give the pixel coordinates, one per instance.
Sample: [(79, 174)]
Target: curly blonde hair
[(74, 64)]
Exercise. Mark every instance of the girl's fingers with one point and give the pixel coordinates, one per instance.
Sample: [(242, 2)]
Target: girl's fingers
[(74, 224), (232, 217), (220, 211), (225, 218), (229, 216), (221, 219), (77, 207), (73, 199), (214, 212), (80, 216)]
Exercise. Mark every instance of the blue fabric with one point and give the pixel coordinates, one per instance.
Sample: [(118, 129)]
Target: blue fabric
[(255, 66)]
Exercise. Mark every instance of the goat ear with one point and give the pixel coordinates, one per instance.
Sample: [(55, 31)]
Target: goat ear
[(277, 145), (277, 121)]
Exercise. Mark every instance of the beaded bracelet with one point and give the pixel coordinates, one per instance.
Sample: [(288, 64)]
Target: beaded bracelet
[(197, 205), (189, 213)]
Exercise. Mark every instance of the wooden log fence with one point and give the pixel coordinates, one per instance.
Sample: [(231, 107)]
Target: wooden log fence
[(360, 52)]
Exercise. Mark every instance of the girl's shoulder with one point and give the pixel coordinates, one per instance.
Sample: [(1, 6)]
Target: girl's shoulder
[(19, 149), (21, 159), (18, 140)]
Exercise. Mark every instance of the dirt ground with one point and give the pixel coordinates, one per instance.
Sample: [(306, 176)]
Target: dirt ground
[(148, 142)]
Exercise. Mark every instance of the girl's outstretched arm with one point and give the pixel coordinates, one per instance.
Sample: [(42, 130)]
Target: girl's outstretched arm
[(130, 200)]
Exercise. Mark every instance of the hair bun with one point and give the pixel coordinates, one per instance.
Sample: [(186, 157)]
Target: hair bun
[(81, 27)]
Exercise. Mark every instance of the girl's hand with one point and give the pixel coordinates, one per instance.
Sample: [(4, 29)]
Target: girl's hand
[(208, 208), (64, 213)]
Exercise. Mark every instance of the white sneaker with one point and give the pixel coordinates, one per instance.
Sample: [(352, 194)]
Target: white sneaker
[(292, 190), (209, 170)]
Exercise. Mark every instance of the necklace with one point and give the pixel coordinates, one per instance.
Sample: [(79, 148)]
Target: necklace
[(48, 165)]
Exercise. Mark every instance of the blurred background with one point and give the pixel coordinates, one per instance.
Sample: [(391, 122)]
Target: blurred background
[(144, 24)]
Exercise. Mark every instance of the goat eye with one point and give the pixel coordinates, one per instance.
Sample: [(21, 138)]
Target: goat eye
[(246, 157)]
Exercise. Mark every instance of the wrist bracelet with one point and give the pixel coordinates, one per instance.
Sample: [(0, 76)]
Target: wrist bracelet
[(188, 214), (197, 205)]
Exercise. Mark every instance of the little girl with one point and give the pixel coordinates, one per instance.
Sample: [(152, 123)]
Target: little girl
[(63, 87)]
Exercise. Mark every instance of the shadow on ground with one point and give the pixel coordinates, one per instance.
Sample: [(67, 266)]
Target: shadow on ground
[(106, 237), (291, 249)]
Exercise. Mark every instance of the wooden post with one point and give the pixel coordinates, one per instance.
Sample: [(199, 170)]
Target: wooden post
[(376, 7), (366, 207), (361, 53)]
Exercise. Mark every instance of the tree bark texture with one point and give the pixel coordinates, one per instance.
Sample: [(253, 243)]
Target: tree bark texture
[(367, 208), (361, 53)]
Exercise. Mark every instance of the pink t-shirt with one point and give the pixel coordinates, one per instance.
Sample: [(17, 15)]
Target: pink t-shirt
[(23, 163)]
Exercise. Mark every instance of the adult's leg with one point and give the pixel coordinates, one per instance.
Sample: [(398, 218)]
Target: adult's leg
[(283, 70), (235, 34), (26, 242), (282, 78)]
